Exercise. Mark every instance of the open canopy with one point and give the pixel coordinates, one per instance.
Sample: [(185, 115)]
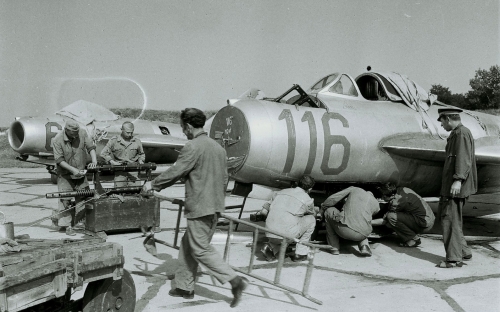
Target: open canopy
[(87, 112), (407, 90)]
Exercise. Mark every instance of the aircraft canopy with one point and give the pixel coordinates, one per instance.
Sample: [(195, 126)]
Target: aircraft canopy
[(87, 112), (407, 90)]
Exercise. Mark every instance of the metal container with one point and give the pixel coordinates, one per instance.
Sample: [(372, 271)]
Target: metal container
[(6, 228)]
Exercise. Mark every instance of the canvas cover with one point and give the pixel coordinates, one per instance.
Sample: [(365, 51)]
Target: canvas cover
[(87, 112), (412, 94)]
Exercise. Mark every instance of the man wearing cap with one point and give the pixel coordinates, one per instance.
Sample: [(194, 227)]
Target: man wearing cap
[(122, 150), (348, 214), (459, 181), (70, 153)]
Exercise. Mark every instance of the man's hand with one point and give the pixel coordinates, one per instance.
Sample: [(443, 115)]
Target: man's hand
[(455, 188), (147, 187), (378, 222), (92, 165), (114, 162)]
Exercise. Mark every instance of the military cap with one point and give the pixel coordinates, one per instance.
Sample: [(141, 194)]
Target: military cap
[(448, 111), (72, 125)]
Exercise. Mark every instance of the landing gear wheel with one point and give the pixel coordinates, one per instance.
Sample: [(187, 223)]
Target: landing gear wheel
[(109, 295)]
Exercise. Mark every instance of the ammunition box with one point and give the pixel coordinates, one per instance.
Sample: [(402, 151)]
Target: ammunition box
[(126, 212)]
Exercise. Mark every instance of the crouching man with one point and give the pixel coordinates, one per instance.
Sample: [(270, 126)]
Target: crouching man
[(352, 221), (291, 212), (409, 214)]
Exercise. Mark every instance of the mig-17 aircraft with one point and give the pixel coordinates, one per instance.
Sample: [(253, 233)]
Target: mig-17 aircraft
[(32, 136), (377, 128)]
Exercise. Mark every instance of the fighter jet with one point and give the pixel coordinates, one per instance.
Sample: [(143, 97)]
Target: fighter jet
[(32, 136), (377, 128)]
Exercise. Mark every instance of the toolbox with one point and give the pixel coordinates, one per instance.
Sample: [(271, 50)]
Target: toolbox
[(124, 212)]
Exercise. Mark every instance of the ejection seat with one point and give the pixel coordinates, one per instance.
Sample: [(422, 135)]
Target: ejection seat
[(370, 91)]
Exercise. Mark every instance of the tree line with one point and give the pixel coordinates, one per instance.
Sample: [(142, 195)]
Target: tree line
[(484, 93)]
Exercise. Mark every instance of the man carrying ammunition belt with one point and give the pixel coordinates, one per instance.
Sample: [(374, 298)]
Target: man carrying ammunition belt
[(70, 153), (122, 150)]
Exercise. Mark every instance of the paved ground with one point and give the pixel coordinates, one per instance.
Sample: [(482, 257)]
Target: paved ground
[(394, 279)]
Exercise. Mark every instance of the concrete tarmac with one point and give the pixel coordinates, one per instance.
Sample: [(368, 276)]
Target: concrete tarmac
[(393, 279)]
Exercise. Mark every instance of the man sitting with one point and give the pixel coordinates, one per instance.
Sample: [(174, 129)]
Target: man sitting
[(290, 212)]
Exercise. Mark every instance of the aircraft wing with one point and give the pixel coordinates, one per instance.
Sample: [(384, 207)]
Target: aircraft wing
[(159, 140), (424, 148)]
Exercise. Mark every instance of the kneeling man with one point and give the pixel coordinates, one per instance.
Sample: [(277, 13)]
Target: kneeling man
[(291, 212), (353, 221), (409, 214)]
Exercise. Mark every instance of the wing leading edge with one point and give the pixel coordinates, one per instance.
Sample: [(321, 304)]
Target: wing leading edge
[(487, 149)]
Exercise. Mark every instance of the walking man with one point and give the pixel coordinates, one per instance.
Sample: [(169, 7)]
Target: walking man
[(124, 149), (459, 181), (70, 153), (202, 161)]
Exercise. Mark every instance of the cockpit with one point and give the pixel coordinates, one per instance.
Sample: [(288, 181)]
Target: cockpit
[(369, 86)]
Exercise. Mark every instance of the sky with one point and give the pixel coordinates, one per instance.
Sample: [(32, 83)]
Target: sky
[(168, 55)]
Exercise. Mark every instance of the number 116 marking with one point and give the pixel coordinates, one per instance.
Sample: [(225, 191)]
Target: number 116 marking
[(330, 140)]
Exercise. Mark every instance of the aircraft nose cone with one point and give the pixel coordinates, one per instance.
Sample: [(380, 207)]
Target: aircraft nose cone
[(230, 129)]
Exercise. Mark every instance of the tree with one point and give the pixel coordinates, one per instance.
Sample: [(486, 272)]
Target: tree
[(444, 95), (485, 91)]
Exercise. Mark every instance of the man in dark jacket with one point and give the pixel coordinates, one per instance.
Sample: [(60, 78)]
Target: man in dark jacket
[(408, 215), (459, 181), (202, 161)]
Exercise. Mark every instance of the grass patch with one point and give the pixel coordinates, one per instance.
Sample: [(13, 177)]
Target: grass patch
[(8, 156), (492, 111)]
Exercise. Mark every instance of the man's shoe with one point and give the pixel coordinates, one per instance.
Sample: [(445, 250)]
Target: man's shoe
[(365, 251), (298, 258), (177, 292), (268, 253), (468, 257), (79, 226), (70, 231), (257, 217), (238, 290), (334, 251)]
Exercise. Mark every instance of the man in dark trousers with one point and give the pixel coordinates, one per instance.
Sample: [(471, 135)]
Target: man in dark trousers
[(351, 221), (408, 215), (202, 161), (459, 181)]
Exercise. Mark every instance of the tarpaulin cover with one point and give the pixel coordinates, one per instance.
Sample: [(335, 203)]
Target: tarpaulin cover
[(87, 112), (412, 94)]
